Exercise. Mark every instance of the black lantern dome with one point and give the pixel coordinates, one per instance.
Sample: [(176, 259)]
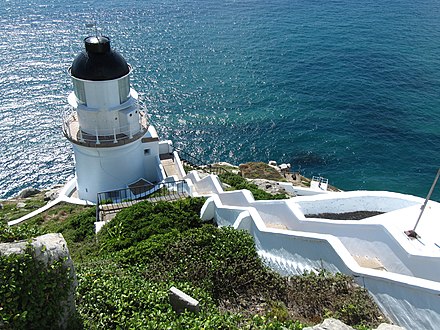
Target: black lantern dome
[(99, 62)]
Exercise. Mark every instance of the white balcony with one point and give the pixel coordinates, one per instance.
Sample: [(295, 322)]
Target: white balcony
[(121, 135)]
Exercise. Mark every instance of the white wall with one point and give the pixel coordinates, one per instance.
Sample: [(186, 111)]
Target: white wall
[(293, 251), (410, 302), (356, 201)]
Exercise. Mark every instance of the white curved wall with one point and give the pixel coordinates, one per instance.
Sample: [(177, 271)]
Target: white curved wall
[(409, 291), (106, 169), (410, 302)]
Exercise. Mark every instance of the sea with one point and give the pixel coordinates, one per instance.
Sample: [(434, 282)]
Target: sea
[(344, 89)]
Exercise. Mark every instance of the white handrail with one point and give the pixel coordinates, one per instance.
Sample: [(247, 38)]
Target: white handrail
[(72, 130)]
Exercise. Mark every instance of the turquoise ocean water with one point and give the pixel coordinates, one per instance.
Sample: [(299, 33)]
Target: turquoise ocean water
[(349, 90)]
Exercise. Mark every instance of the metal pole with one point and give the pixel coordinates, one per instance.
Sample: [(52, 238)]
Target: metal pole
[(427, 198)]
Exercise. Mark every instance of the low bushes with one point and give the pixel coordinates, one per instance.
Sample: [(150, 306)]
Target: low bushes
[(260, 170), (238, 182), (124, 275), (221, 261), (137, 223)]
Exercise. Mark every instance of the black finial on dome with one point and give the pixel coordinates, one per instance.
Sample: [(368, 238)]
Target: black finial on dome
[(99, 62)]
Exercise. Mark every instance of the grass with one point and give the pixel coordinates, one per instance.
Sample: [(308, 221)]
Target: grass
[(10, 211), (260, 170), (237, 182)]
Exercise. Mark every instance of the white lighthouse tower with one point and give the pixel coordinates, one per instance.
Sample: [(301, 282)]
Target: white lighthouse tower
[(113, 144)]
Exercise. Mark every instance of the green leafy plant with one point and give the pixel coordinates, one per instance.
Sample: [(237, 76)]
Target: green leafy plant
[(32, 294), (144, 219), (238, 182), (15, 233)]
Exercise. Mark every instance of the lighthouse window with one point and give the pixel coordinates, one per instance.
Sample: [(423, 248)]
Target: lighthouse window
[(146, 152), (124, 88), (131, 115), (80, 92)]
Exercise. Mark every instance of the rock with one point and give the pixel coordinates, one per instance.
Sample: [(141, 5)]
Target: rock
[(285, 167), (28, 192), (334, 324), (51, 195), (330, 324), (180, 301), (385, 326), (272, 187), (47, 249), (1, 206), (20, 205)]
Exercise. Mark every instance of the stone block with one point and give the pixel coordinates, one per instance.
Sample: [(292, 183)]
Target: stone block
[(180, 301)]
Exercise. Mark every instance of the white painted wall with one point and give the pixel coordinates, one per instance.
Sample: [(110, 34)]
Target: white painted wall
[(112, 168), (409, 301), (409, 291), (105, 169), (362, 238), (355, 201)]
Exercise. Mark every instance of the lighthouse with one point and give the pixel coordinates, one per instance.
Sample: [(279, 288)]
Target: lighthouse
[(114, 146)]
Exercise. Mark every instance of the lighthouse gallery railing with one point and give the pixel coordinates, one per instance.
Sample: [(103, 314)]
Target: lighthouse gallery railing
[(121, 135)]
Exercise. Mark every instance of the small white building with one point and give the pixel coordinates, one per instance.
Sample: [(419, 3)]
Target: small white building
[(113, 143)]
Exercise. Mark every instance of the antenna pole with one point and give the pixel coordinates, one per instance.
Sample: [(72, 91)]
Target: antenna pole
[(427, 198)]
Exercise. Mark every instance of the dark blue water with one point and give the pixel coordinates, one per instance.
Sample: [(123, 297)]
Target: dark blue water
[(344, 89)]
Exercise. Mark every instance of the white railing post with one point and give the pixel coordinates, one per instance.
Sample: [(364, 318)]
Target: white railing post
[(114, 135), (97, 137)]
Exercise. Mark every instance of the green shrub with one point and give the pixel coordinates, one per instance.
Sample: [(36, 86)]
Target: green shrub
[(110, 298), (18, 232), (320, 295), (221, 260), (139, 222), (238, 182)]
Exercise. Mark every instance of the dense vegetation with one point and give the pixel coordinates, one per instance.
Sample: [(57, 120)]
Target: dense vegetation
[(125, 272), (260, 170), (238, 182)]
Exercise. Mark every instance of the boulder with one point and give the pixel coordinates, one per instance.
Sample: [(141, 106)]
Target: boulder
[(272, 187), (20, 205), (51, 195), (28, 192), (330, 324), (48, 249)]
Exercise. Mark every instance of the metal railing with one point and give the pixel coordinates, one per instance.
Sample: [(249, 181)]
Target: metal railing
[(114, 136), (116, 200), (320, 179), (193, 163)]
